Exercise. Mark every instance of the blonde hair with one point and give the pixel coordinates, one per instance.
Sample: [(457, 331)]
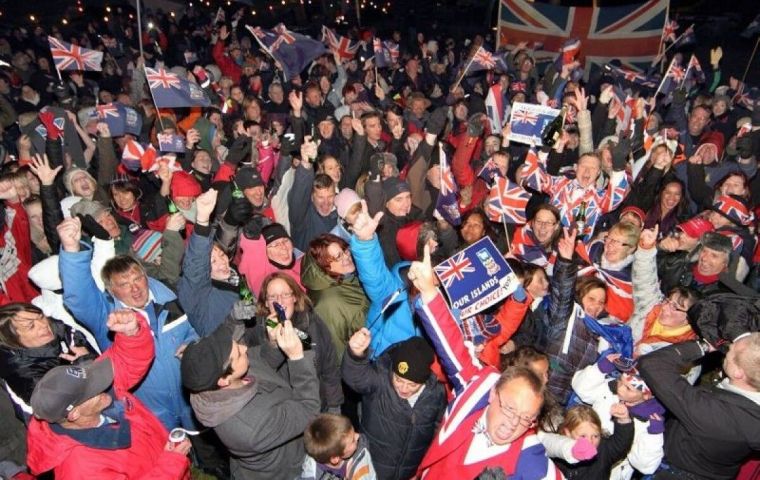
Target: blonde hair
[(575, 416), (630, 231)]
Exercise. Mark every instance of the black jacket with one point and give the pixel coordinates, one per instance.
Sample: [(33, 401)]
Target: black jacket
[(610, 451), (710, 431), (398, 434)]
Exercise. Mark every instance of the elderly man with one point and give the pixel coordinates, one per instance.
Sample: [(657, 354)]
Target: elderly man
[(489, 423), (128, 286), (702, 274), (711, 430), (87, 423)]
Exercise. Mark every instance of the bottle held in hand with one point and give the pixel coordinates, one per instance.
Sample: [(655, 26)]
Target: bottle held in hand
[(553, 131)]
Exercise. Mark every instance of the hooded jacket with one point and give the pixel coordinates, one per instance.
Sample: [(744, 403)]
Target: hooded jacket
[(145, 458), (342, 305), (262, 423)]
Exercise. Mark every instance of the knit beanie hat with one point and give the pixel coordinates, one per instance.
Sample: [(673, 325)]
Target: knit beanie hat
[(70, 175), (274, 232), (406, 240), (394, 186), (714, 138), (147, 245), (344, 200), (184, 185), (733, 208), (411, 359)]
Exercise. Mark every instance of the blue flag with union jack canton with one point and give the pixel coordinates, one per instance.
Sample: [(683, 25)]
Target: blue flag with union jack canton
[(485, 60), (170, 91), (673, 78), (476, 278), (111, 115), (73, 57), (293, 51), (528, 122), (446, 205), (344, 47), (630, 33)]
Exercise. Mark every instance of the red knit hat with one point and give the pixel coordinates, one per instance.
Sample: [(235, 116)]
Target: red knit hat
[(406, 240), (695, 227), (714, 138), (184, 185)]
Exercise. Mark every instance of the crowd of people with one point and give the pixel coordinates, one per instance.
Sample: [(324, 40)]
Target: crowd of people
[(268, 294)]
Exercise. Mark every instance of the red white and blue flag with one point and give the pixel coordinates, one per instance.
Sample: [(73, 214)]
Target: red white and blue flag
[(528, 121), (344, 47), (482, 59), (68, 56), (630, 33), (171, 91), (568, 53), (453, 269), (669, 31), (626, 76), (111, 116), (446, 204), (694, 74), (506, 202), (673, 78), (292, 51), (496, 107)]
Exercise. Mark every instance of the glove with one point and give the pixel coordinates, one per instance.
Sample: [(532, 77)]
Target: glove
[(239, 150), (252, 229), (48, 120), (583, 450), (679, 97), (475, 125), (242, 310), (238, 212), (620, 154), (92, 228), (437, 121), (520, 294), (744, 146)]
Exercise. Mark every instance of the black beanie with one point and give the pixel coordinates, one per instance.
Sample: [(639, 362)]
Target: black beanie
[(412, 359)]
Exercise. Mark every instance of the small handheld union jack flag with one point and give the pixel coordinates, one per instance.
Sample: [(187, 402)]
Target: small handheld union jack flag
[(485, 60), (73, 57), (338, 44), (446, 204), (454, 269), (669, 31)]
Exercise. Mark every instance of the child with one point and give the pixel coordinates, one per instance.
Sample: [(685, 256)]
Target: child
[(334, 451), (581, 427), (602, 386)]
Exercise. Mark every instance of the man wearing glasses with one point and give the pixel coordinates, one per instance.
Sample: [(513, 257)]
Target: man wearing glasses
[(490, 422)]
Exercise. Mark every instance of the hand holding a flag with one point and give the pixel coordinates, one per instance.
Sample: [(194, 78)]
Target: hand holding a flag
[(364, 227), (423, 277)]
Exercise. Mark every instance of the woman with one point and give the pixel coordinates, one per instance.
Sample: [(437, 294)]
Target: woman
[(280, 288), (329, 274), (475, 225), (576, 304), (670, 208), (31, 344), (534, 242)]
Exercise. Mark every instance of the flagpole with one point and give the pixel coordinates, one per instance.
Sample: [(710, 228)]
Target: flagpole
[(664, 78), (139, 30), (751, 57), (686, 73), (153, 99), (667, 21), (358, 15), (498, 27), (464, 72)]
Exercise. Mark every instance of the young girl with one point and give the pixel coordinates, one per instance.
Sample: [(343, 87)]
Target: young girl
[(581, 427)]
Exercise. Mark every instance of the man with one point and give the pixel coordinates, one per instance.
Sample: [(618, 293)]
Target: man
[(489, 423), (258, 410), (313, 215), (366, 142), (711, 430), (702, 274), (128, 286), (676, 250), (402, 400), (83, 426)]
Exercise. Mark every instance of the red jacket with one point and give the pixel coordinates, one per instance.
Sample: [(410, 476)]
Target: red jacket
[(14, 234), (510, 316), (144, 459), (467, 149), (226, 64)]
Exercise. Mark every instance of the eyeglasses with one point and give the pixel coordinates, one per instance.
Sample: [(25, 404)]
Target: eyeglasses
[(280, 297), (538, 223), (615, 241), (512, 414), (675, 306)]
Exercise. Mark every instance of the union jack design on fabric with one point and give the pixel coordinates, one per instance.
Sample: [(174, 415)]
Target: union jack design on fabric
[(344, 47), (68, 56), (731, 207), (134, 153), (111, 114), (523, 116), (619, 282), (446, 204), (382, 54), (292, 51), (623, 75), (108, 110), (393, 50), (453, 269), (489, 172), (506, 202), (283, 36), (694, 74), (672, 79), (630, 33), (161, 78), (669, 31), (485, 60), (568, 53), (526, 248), (171, 91), (533, 171)]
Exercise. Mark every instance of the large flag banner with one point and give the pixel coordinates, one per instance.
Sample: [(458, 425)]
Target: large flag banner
[(528, 120), (476, 277), (292, 51), (344, 47), (170, 91), (630, 33), (68, 56)]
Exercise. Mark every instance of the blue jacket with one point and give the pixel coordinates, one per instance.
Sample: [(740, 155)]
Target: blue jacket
[(397, 322), (206, 305), (161, 390)]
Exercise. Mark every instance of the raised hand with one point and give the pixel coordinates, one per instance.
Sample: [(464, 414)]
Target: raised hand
[(40, 166), (620, 412), (205, 204), (364, 226), (581, 99), (359, 342), (124, 321), (648, 237), (308, 149), (288, 341), (296, 102), (423, 277), (176, 222), (566, 244), (103, 129), (356, 124), (70, 233)]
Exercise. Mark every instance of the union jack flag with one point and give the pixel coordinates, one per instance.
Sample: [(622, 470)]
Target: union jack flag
[(292, 51), (135, 157), (344, 47), (489, 171), (482, 59), (73, 57), (619, 282), (170, 91), (533, 171), (527, 248), (524, 116), (161, 78), (731, 207), (568, 53), (446, 204), (630, 33), (108, 110), (506, 202), (673, 78), (694, 74), (623, 75), (669, 31), (111, 114), (454, 269), (283, 36)]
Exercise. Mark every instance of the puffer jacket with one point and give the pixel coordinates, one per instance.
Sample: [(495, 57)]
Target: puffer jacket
[(22, 368), (396, 323), (398, 434), (342, 305)]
